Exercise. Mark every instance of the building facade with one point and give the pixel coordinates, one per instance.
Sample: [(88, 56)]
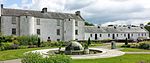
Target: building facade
[(57, 26), (116, 32), (47, 25)]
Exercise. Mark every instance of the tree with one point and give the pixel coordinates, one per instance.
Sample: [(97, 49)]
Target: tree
[(39, 42), (148, 23), (148, 27), (88, 24), (89, 41), (126, 42)]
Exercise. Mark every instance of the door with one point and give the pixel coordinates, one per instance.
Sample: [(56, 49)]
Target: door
[(95, 36), (113, 36), (128, 36)]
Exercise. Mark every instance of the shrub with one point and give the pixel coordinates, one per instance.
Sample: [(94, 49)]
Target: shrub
[(134, 45), (60, 58), (38, 58), (6, 46), (22, 47), (144, 45), (27, 40)]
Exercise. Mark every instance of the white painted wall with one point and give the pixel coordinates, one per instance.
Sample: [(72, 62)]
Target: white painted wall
[(80, 29), (120, 35), (6, 25)]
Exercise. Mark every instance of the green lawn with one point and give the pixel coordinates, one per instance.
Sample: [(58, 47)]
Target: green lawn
[(134, 50), (15, 54), (128, 58)]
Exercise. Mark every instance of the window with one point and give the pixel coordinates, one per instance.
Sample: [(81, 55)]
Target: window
[(117, 35), (100, 35), (58, 39), (91, 35), (69, 19), (139, 34), (132, 35), (124, 35), (38, 32), (13, 31), (58, 31), (142, 34), (13, 20), (76, 23), (108, 35), (38, 21), (76, 32), (58, 22)]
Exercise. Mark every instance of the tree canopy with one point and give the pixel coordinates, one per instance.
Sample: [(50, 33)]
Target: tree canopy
[(88, 24)]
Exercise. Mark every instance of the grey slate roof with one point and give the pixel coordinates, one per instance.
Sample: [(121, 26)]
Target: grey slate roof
[(94, 29), (50, 15)]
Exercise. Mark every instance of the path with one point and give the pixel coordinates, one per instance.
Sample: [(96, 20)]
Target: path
[(11, 61)]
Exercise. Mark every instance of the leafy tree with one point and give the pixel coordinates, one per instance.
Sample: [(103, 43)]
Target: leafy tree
[(148, 23), (126, 42), (89, 41), (148, 27), (88, 24)]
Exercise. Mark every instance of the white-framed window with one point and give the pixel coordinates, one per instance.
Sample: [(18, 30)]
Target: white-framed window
[(117, 35), (38, 21), (100, 35), (108, 35), (124, 35), (13, 31), (38, 31), (58, 31), (76, 32), (58, 39), (13, 20), (90, 35), (76, 23), (58, 22)]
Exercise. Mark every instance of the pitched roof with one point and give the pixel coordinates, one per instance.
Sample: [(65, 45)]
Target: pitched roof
[(50, 15), (94, 29)]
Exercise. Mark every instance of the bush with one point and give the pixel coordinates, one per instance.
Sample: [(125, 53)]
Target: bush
[(134, 45), (6, 46), (22, 47), (28, 40), (144, 45), (38, 58)]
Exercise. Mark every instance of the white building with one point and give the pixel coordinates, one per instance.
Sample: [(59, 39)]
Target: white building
[(116, 32), (47, 25), (60, 26)]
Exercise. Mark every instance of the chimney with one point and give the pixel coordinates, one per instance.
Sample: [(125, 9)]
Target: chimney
[(77, 13), (44, 10), (1, 5)]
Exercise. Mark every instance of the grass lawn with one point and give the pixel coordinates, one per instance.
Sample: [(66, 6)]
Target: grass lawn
[(15, 54), (134, 50), (128, 58)]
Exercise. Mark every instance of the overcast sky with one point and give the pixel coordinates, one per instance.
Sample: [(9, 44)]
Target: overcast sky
[(95, 11)]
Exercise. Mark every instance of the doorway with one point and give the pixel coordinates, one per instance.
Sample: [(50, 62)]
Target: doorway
[(113, 36), (128, 36), (95, 36)]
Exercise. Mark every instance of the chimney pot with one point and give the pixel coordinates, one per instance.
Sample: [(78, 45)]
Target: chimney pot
[(1, 5), (77, 13), (44, 10)]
